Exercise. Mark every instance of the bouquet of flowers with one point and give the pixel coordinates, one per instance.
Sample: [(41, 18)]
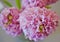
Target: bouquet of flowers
[(33, 18)]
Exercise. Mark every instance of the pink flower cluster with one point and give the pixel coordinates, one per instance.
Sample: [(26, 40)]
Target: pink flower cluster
[(8, 20), (40, 3), (37, 23)]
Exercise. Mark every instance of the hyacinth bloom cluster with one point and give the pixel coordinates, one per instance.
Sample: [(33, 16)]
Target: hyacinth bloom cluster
[(33, 19), (37, 23), (8, 21), (34, 3)]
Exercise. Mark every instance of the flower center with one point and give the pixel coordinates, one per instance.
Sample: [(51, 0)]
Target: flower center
[(41, 28), (9, 17)]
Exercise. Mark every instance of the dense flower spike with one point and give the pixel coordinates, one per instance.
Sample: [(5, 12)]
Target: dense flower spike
[(8, 20), (40, 3), (37, 23), (34, 19)]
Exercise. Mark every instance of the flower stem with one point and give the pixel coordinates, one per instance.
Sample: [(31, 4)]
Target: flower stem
[(18, 4)]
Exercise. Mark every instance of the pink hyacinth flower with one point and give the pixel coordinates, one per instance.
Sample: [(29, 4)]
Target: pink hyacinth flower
[(37, 23), (8, 21), (40, 3)]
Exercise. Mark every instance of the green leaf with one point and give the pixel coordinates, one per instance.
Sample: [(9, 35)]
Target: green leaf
[(7, 3), (18, 4)]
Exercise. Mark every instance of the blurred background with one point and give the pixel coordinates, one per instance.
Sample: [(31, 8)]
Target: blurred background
[(54, 37)]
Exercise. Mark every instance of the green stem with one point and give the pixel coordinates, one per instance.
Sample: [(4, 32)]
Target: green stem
[(18, 4)]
